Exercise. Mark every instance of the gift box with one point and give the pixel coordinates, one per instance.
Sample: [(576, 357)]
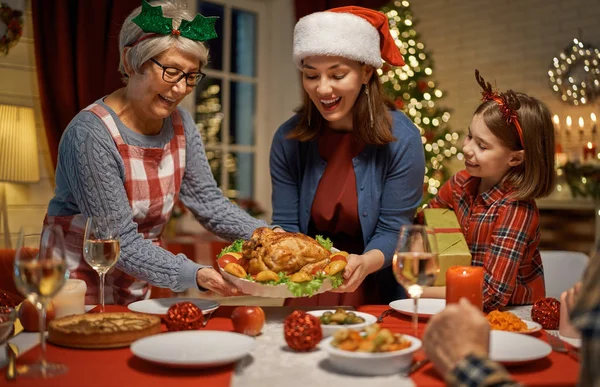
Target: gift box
[(452, 246)]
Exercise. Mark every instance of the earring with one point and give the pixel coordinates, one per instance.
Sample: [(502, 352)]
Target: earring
[(369, 104), (309, 112)]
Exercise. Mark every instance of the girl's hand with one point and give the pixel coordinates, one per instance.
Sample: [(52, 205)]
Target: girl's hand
[(358, 267), (210, 279)]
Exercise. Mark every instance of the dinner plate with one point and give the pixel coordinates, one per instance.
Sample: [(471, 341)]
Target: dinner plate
[(329, 329), (193, 349), (573, 341), (427, 306), (160, 306), (516, 348), (532, 327)]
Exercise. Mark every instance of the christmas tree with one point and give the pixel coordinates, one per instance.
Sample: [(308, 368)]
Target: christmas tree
[(414, 92)]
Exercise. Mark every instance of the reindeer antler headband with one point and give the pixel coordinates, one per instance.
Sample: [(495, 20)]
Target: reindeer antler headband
[(507, 102)]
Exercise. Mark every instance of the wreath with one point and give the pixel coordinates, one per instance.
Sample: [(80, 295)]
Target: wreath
[(575, 73), (14, 27)]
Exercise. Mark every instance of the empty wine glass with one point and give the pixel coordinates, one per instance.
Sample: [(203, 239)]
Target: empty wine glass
[(101, 247), (415, 262), (39, 273)]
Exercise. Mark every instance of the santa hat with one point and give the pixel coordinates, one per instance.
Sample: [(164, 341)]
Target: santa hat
[(352, 32)]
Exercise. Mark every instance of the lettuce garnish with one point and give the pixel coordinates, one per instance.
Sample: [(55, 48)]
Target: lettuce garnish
[(325, 242), (235, 247)]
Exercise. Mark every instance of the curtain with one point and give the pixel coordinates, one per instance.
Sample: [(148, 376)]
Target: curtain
[(304, 7), (77, 57)]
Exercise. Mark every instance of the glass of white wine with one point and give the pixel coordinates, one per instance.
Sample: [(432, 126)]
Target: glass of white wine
[(39, 273), (101, 246), (415, 262)]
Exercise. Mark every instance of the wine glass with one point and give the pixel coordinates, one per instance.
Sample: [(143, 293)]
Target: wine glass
[(101, 246), (415, 262), (39, 273)]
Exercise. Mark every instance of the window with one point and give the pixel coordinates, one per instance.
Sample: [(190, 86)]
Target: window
[(227, 107)]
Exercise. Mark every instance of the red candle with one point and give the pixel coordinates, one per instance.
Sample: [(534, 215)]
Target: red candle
[(467, 282)]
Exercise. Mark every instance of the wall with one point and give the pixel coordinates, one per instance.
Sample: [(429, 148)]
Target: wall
[(26, 203)]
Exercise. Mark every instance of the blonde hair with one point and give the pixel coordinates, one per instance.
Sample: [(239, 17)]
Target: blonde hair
[(535, 177), (379, 134), (141, 52)]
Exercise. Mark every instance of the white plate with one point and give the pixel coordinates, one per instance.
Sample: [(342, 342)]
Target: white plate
[(532, 327), (427, 306), (516, 348), (366, 363), (573, 341), (193, 349), (160, 306), (328, 330)]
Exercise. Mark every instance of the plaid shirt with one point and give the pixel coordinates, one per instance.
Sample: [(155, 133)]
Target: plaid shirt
[(476, 370), (503, 235)]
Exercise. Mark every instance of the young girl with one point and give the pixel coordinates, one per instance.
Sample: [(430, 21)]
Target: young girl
[(509, 160)]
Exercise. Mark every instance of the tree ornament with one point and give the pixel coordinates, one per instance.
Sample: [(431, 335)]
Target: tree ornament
[(546, 311), (13, 19), (302, 331), (184, 316), (575, 73)]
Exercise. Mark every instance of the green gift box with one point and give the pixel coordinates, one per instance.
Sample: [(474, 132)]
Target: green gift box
[(452, 246)]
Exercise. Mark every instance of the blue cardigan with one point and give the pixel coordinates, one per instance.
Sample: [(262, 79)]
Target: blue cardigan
[(389, 183)]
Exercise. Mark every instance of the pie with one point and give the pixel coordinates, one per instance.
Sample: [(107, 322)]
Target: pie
[(102, 330)]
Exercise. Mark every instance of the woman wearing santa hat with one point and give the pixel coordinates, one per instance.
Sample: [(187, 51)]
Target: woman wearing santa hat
[(348, 165)]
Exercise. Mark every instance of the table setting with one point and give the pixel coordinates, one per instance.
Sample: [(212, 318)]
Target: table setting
[(193, 341)]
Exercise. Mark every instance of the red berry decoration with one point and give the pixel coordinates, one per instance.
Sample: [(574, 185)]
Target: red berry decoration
[(184, 316), (302, 331), (546, 311)]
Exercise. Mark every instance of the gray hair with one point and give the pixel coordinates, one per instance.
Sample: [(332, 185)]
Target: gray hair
[(149, 48)]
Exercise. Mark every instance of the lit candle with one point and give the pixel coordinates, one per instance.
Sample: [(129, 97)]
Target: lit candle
[(71, 298), (556, 120), (465, 282), (569, 122)]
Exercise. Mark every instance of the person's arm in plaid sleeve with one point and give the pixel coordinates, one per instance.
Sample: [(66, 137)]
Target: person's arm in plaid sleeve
[(457, 342), (514, 230)]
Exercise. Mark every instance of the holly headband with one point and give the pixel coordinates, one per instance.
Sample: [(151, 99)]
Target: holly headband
[(507, 102), (152, 21)]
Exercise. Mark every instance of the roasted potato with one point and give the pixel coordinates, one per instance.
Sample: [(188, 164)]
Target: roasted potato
[(335, 267), (300, 277), (235, 270), (266, 276)]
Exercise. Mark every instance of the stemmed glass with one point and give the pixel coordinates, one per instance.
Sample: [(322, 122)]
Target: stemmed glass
[(101, 246), (415, 262), (39, 273)]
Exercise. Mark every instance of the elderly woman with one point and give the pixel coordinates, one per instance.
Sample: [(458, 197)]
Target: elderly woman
[(133, 153), (348, 165)]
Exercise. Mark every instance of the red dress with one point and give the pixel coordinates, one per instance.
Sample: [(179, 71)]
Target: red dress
[(334, 211)]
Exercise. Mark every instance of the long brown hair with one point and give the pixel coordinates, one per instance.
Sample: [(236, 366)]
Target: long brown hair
[(379, 134), (535, 177)]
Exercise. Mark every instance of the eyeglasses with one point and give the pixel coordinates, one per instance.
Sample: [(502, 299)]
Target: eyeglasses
[(174, 75)]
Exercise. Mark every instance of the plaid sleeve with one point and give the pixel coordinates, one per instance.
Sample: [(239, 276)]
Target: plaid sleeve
[(586, 317), (477, 371), (513, 230)]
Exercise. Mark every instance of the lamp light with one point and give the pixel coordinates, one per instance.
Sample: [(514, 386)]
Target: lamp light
[(19, 161)]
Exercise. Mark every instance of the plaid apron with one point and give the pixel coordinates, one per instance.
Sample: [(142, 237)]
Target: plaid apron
[(152, 182)]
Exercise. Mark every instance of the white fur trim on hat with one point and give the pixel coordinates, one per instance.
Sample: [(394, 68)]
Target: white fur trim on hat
[(337, 34)]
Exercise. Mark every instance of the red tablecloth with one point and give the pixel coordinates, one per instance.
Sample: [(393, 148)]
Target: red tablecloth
[(557, 369), (119, 367)]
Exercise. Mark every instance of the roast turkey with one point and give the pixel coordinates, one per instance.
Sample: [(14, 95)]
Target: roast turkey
[(286, 252)]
